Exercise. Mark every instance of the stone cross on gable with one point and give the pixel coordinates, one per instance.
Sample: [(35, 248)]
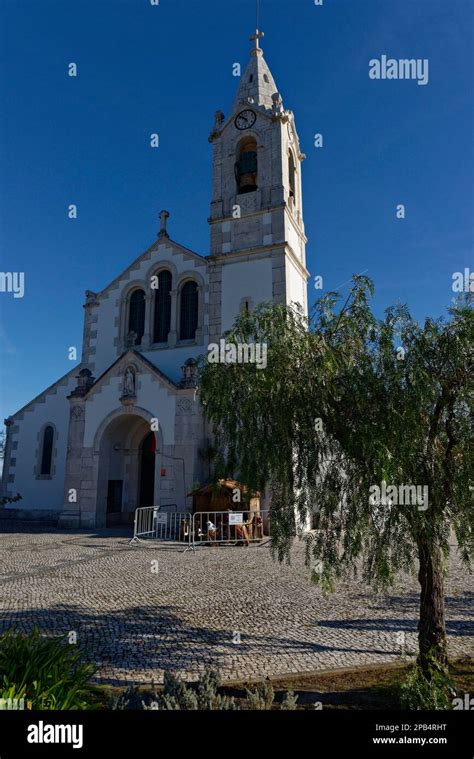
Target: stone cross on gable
[(164, 216)]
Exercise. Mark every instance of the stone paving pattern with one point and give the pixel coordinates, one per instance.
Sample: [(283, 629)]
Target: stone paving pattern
[(137, 622)]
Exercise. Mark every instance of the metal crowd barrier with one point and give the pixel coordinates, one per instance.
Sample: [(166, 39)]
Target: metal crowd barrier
[(151, 523), (230, 528), (204, 528)]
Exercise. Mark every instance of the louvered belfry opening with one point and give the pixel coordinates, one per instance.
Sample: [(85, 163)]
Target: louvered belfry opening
[(162, 316), (189, 311), (246, 167)]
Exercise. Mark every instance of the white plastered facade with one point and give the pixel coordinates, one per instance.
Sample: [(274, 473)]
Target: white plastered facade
[(257, 255)]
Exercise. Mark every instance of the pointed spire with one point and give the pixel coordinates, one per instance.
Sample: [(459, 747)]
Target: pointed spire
[(256, 84)]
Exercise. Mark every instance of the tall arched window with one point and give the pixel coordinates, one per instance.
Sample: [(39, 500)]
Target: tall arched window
[(162, 316), (47, 450), (246, 167), (292, 176), (136, 317), (189, 311)]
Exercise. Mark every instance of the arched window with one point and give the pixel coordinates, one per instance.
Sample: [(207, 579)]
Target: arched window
[(292, 176), (136, 318), (189, 311), (246, 167), (47, 450), (162, 316)]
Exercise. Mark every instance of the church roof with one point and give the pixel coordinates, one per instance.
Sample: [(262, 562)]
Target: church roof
[(147, 255), (257, 81), (51, 390)]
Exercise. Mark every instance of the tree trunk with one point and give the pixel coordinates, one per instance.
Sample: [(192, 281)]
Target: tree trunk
[(431, 627)]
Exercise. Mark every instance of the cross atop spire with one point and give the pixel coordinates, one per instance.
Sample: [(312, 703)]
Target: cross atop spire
[(255, 38), (258, 35), (256, 83)]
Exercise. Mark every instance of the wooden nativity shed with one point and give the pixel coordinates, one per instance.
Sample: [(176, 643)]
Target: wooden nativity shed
[(219, 497)]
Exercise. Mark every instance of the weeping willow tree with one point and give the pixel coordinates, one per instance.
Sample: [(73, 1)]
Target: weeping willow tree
[(348, 402)]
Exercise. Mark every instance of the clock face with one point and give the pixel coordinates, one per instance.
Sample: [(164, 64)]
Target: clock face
[(245, 119)]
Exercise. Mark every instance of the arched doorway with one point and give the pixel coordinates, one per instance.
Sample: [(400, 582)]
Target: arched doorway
[(146, 496), (128, 460)]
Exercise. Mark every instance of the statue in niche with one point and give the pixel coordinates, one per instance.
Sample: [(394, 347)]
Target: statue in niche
[(129, 382)]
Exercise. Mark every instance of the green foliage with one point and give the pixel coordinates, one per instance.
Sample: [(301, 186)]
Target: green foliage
[(208, 698), (47, 672), (15, 694), (384, 418), (177, 695), (130, 698), (201, 696), (289, 702), (261, 696), (428, 688), (340, 409)]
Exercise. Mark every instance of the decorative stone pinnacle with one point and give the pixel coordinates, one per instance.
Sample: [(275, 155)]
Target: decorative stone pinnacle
[(277, 108), (91, 298), (164, 216), (85, 380), (189, 370)]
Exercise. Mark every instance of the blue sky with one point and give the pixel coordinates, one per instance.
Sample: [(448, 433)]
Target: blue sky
[(167, 69)]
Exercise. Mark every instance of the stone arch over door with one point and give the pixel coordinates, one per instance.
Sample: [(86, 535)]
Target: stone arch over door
[(117, 453)]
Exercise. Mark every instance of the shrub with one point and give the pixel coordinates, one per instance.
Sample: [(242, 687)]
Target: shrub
[(204, 697), (176, 695), (430, 690), (201, 696), (130, 698), (261, 697), (290, 701), (47, 672)]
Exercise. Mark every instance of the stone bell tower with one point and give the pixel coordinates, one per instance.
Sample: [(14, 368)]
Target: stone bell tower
[(257, 230)]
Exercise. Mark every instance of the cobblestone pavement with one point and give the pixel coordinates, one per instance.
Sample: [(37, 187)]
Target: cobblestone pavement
[(137, 621)]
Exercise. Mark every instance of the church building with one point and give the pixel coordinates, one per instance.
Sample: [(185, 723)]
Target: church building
[(125, 428)]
